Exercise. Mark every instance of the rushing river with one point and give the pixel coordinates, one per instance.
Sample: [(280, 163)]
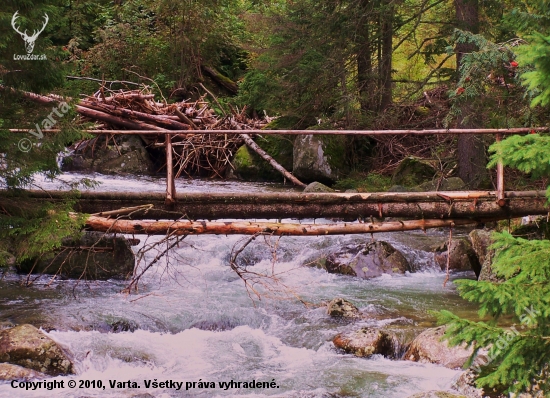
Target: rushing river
[(193, 320)]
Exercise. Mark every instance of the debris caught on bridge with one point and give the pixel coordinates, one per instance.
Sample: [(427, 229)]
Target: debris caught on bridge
[(193, 153)]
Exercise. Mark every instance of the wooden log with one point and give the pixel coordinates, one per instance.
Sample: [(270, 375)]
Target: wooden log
[(264, 155), (118, 121), (212, 206), (164, 122), (323, 132), (220, 79), (149, 227)]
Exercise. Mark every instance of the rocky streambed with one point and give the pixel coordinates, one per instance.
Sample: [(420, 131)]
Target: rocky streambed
[(363, 327)]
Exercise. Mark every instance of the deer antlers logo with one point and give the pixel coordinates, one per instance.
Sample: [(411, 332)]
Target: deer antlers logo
[(29, 40)]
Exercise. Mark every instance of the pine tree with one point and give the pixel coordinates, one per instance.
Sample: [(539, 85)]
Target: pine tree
[(519, 355), (26, 228)]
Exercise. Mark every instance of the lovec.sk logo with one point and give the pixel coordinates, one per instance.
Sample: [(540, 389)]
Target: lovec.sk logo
[(29, 40)]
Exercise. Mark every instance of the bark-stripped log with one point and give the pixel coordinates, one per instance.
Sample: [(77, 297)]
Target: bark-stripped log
[(264, 155), (149, 227), (212, 206)]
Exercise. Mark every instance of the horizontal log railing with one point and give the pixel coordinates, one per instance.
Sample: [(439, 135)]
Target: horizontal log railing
[(170, 186), (472, 205)]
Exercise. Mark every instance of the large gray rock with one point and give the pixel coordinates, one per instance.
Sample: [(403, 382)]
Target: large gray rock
[(366, 342), (26, 346), (465, 384), (94, 256), (428, 347), (342, 308), (317, 187), (319, 158), (463, 256), (412, 171), (481, 240), (127, 156), (366, 261), (10, 372)]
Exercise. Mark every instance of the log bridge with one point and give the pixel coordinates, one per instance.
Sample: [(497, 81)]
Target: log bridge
[(177, 213)]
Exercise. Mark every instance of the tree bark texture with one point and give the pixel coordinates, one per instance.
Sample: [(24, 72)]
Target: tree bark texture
[(212, 206)]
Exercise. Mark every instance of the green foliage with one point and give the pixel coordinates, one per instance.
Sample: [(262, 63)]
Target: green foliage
[(537, 80), (26, 227), (518, 355), (528, 153), (371, 182)]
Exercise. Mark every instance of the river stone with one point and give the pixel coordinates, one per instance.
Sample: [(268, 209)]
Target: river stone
[(317, 187), (27, 346), (366, 261), (111, 257), (319, 158), (465, 384), (101, 155), (428, 347), (447, 184), (436, 394), (366, 342), (10, 372), (463, 256), (412, 171), (480, 240), (342, 308)]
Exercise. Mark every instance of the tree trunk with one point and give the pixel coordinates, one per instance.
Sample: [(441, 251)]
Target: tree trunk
[(212, 206), (387, 12), (365, 78), (150, 227), (472, 157)]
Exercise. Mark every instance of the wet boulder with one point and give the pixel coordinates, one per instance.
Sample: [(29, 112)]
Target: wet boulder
[(318, 188), (465, 384), (428, 347), (124, 154), (319, 158), (10, 372), (413, 171), (366, 342), (94, 256), (463, 256), (26, 346), (342, 308), (366, 261), (481, 241)]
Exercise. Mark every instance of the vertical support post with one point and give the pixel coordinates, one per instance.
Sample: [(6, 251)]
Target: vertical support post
[(170, 185), (500, 179)]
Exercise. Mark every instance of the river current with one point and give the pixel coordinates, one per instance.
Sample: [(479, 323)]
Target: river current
[(193, 320)]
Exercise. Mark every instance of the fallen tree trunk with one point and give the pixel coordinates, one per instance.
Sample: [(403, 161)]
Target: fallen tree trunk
[(264, 155), (212, 206), (149, 227)]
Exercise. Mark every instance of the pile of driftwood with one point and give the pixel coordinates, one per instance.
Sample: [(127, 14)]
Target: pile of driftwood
[(194, 153)]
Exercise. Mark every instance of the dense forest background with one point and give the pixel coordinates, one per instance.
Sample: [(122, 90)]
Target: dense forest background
[(367, 64)]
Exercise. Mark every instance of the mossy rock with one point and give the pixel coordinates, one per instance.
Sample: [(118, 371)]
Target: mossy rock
[(248, 165), (413, 171), (318, 187), (365, 261), (9, 372), (366, 342), (94, 256), (319, 158), (447, 184), (26, 346), (342, 308)]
